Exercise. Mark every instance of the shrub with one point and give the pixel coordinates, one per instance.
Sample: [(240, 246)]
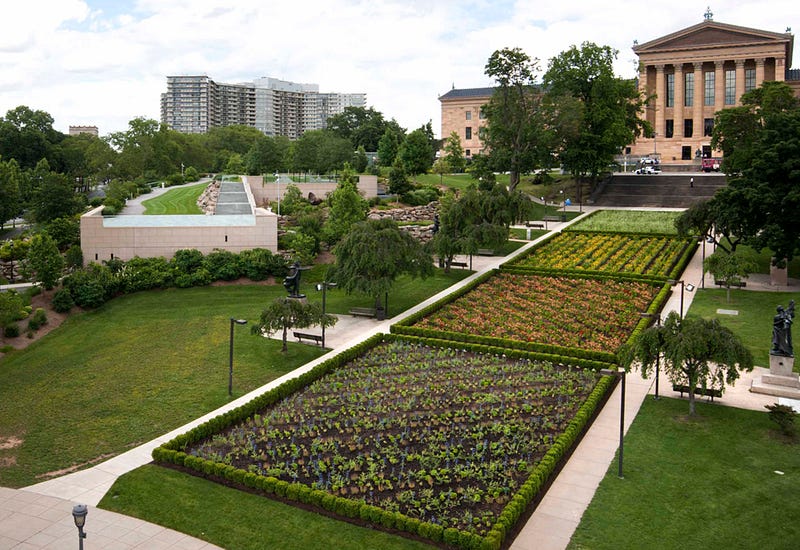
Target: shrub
[(74, 257), (256, 264), (91, 287), (304, 248), (175, 179), (783, 416), (421, 196), (38, 319), (190, 174), (222, 265), (11, 330)]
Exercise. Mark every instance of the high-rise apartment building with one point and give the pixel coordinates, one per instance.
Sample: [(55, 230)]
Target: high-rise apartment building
[(194, 104)]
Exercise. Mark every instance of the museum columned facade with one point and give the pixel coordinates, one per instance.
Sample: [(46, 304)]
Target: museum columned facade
[(691, 74)]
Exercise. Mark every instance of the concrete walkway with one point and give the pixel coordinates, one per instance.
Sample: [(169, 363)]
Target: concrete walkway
[(45, 508)]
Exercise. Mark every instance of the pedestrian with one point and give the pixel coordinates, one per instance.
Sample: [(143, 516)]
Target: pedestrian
[(691, 182)]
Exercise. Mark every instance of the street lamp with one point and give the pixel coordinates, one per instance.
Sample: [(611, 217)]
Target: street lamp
[(658, 358), (324, 286), (675, 282), (79, 512), (230, 362), (278, 184), (619, 374)]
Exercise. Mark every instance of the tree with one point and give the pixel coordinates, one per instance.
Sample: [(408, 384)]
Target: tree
[(321, 151), (54, 196), (761, 142), (373, 254), (514, 126), (696, 353), (441, 167), (362, 127), (388, 146), (27, 136), (608, 108), (44, 262), (285, 313), (360, 160), (268, 155), (730, 268), (347, 207), (454, 153), (416, 152), (398, 180), (10, 177)]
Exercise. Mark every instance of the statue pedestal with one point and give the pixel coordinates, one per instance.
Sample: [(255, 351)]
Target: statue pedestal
[(299, 297), (780, 381), (778, 276)]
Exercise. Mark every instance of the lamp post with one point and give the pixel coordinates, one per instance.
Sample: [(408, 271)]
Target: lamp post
[(230, 362), (278, 184), (79, 512), (619, 374), (675, 282), (324, 286), (658, 359)]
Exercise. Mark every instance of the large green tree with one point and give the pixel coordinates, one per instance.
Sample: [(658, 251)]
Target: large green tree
[(373, 254), (758, 207), (10, 177), (608, 112), (417, 153), (454, 153), (347, 207), (44, 262), (362, 127), (53, 196), (27, 135), (388, 146), (694, 352), (515, 127)]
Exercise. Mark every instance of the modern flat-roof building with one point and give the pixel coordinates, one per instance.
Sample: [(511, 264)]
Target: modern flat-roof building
[(78, 130), (462, 113), (196, 103), (692, 73)]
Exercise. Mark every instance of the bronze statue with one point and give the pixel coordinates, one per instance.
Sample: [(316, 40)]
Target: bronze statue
[(292, 281), (782, 331)]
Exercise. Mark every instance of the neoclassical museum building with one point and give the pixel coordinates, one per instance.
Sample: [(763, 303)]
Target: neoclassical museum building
[(688, 75)]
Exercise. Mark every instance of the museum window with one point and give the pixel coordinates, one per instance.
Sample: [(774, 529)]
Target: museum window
[(669, 127), (670, 90), (710, 77), (467, 153), (749, 79), (730, 87), (688, 90), (469, 115), (686, 152), (708, 126), (468, 133), (688, 127)]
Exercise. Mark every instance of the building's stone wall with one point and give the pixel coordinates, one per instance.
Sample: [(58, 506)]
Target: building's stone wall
[(263, 193)]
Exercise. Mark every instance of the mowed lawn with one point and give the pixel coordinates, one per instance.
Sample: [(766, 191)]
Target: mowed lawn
[(725, 479), (144, 364), (179, 201)]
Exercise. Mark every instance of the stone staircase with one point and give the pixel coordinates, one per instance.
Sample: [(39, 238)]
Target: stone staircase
[(666, 190)]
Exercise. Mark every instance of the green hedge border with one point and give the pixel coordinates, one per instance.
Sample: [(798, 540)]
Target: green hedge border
[(173, 452)]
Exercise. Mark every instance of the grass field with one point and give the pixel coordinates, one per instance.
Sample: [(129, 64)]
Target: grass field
[(726, 479), (234, 519), (753, 321), (630, 222), (144, 364), (179, 201)]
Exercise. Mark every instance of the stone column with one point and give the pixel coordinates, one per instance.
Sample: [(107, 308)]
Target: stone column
[(719, 86), (699, 101), (760, 71), (661, 100), (780, 69), (739, 80), (677, 112)]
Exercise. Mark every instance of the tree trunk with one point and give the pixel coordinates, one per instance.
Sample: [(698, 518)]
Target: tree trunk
[(285, 348), (691, 400)]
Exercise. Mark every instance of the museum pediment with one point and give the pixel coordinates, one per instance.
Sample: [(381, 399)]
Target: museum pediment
[(710, 34)]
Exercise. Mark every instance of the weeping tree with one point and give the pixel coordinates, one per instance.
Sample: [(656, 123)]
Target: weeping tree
[(286, 313), (373, 254), (695, 352)]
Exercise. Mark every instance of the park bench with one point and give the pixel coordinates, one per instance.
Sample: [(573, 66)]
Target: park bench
[(536, 225), (740, 284), (710, 392), (306, 336), (554, 218), (362, 311), (458, 264)]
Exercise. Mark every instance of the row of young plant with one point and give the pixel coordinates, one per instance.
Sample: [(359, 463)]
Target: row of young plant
[(92, 286), (451, 444), (572, 316), (655, 255)]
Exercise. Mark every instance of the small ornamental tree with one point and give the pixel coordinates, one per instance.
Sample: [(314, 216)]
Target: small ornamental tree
[(285, 313), (730, 268), (696, 352), (44, 262)]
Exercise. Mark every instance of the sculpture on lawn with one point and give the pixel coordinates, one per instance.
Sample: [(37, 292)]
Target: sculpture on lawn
[(782, 331)]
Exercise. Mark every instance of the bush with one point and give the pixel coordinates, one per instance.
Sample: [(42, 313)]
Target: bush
[(303, 246), (37, 320), (421, 196), (175, 179), (91, 287), (256, 264), (783, 416), (11, 330), (74, 257), (190, 174), (222, 265)]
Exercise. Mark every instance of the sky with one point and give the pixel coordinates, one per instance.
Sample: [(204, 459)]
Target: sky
[(105, 62)]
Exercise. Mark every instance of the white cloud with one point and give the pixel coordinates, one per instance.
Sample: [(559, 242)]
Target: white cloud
[(105, 62)]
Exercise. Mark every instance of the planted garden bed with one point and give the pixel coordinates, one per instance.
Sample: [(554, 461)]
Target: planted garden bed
[(653, 255), (436, 441), (561, 312)]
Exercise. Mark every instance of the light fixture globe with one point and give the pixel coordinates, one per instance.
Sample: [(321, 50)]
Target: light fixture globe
[(79, 512)]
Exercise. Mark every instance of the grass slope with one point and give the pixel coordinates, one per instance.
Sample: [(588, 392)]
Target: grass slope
[(708, 482), (234, 519), (180, 201), (630, 221)]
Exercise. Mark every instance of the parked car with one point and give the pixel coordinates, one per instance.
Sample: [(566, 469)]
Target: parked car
[(647, 170)]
